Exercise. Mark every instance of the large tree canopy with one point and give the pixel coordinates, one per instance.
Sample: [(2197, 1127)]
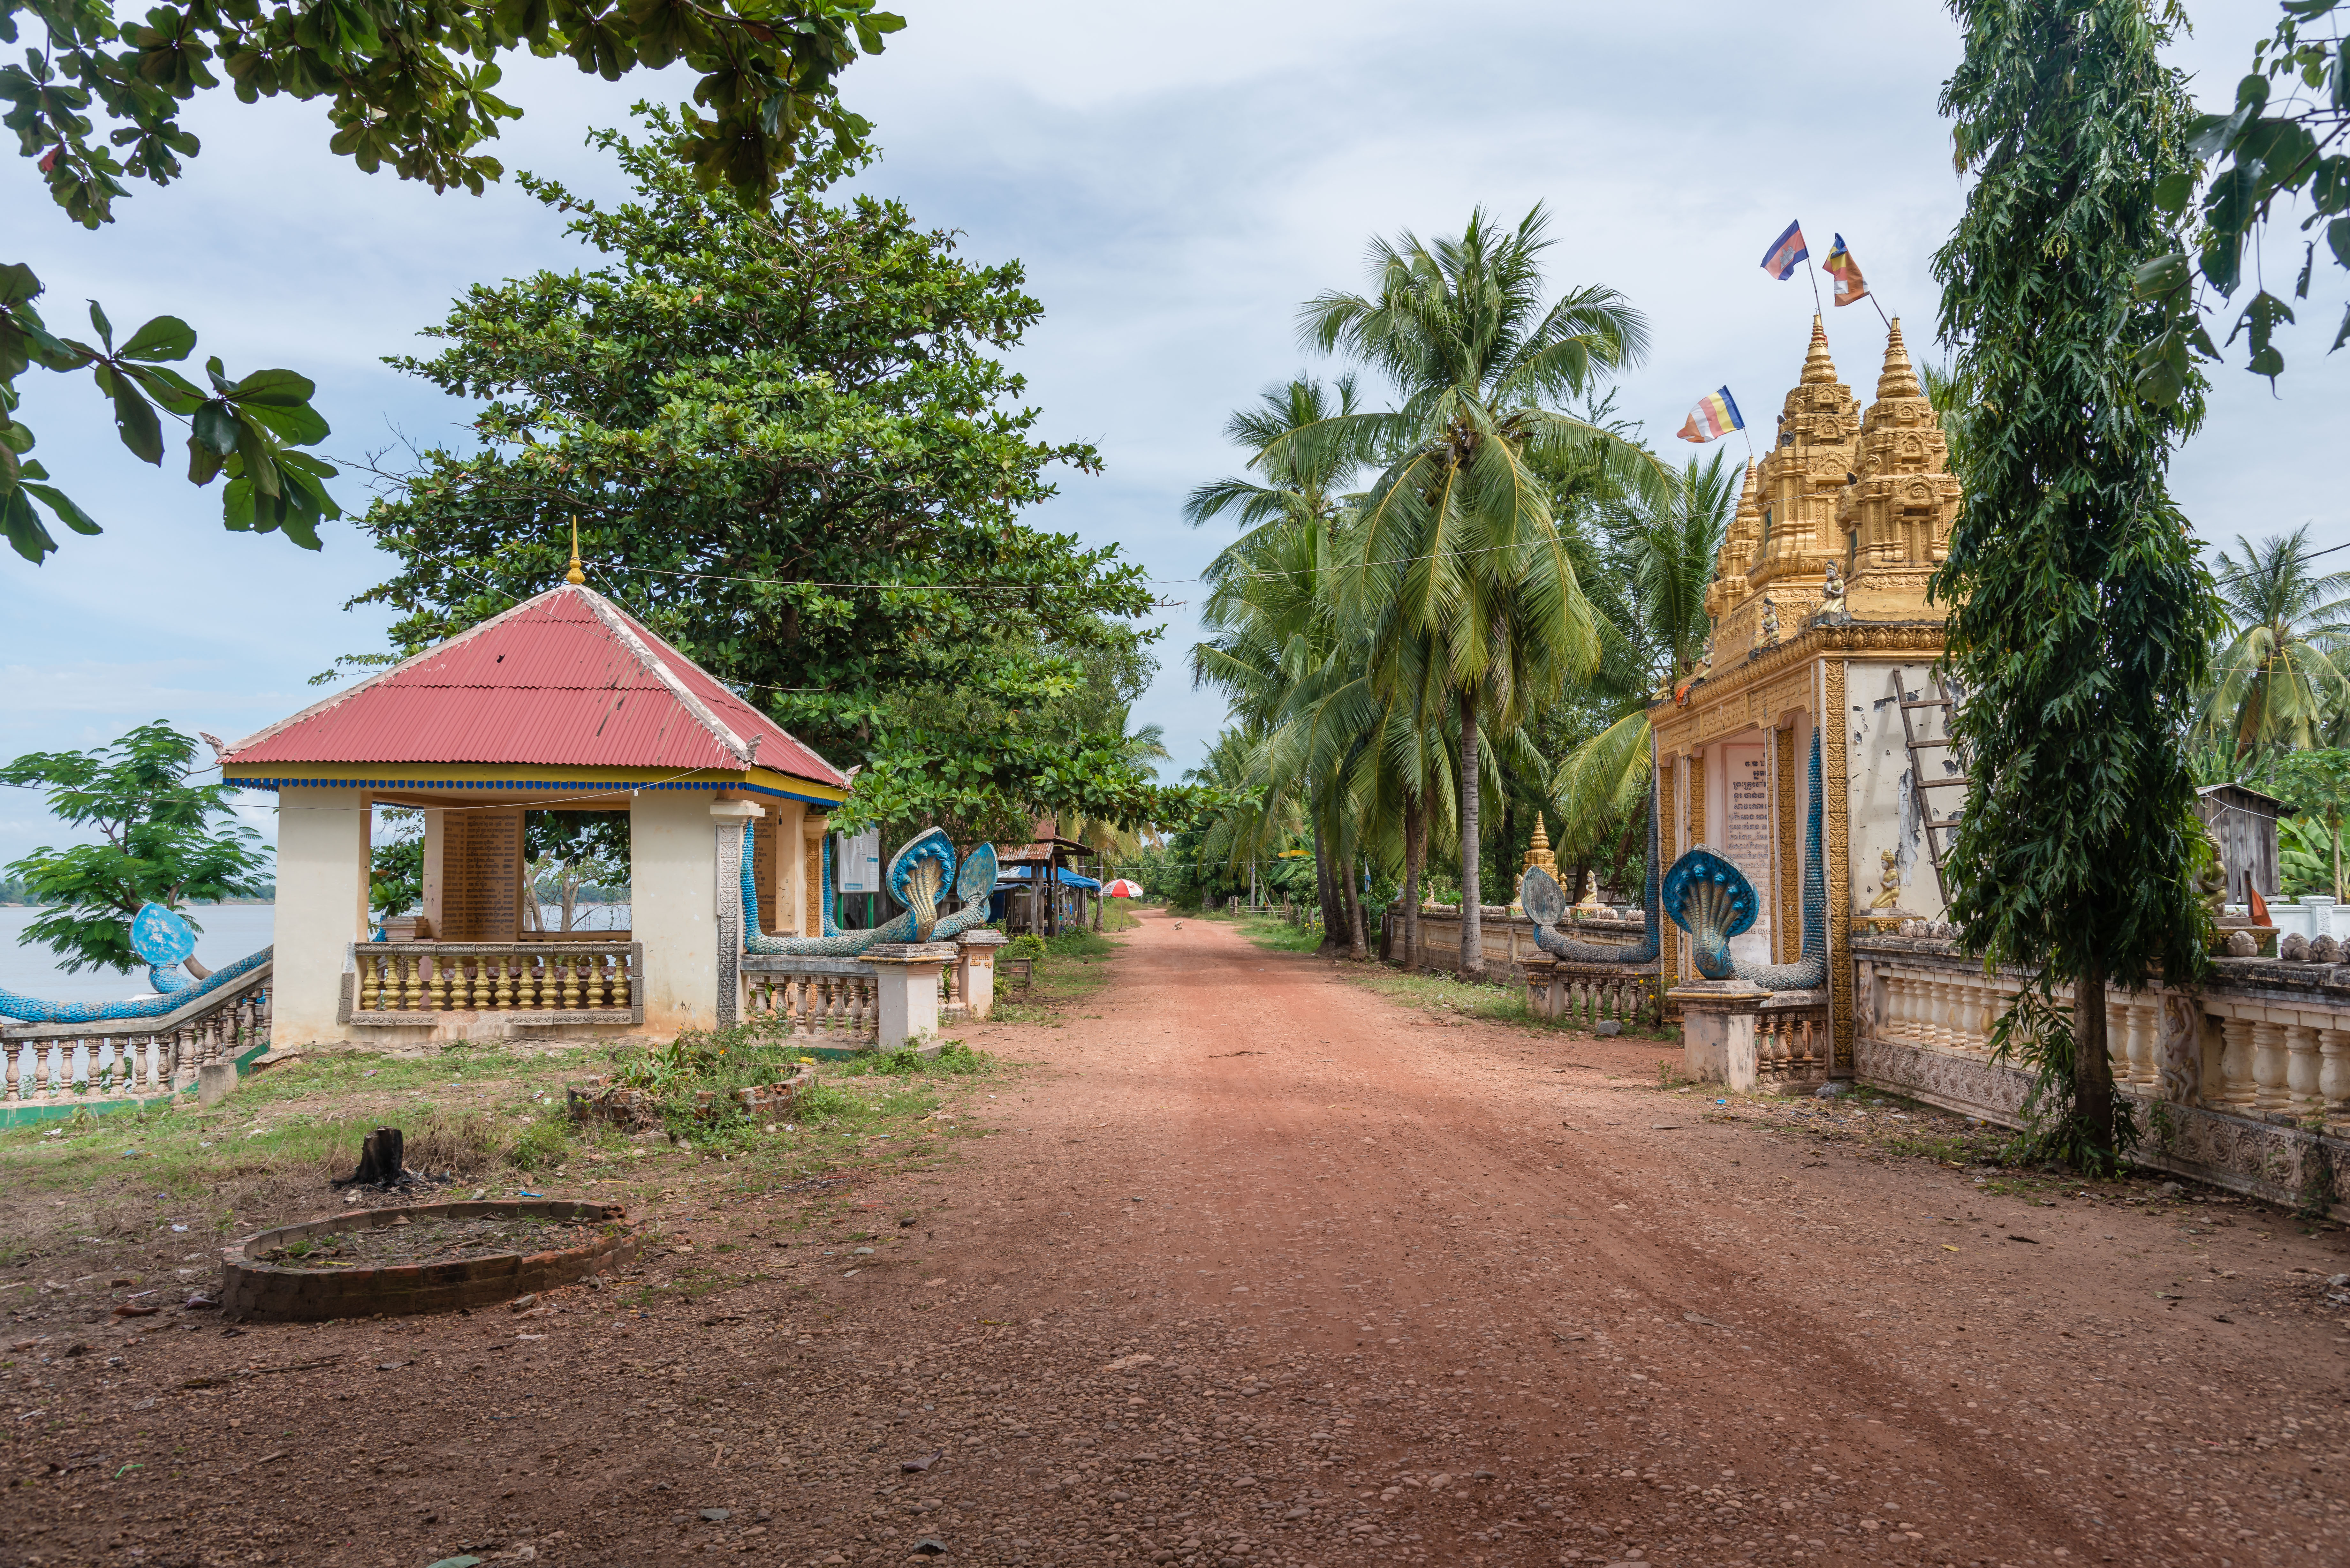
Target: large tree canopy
[(409, 86), (790, 449)]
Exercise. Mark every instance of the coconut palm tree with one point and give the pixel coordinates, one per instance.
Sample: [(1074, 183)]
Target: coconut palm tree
[(2283, 679), (1272, 634), (1661, 557), (1456, 544)]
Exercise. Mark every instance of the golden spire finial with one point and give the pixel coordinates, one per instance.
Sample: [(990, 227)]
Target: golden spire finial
[(1900, 378), (1542, 840), (1817, 365), (574, 576)]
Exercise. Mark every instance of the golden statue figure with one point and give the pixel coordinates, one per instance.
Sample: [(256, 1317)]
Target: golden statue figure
[(1590, 892), (1889, 896)]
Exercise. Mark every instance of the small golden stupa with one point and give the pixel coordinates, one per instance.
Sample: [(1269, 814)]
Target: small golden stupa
[(1538, 853)]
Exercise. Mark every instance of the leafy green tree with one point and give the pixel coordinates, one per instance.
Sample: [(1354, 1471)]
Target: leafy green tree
[(2282, 138), (248, 428), (2280, 682), (161, 840), (792, 451), (1458, 547), (2318, 783), (409, 86), (396, 862), (2080, 621)]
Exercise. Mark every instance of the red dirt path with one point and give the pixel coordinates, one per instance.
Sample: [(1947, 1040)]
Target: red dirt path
[(1265, 1268)]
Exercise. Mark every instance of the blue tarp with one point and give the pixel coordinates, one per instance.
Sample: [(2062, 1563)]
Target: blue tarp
[(1017, 877), (1014, 878)]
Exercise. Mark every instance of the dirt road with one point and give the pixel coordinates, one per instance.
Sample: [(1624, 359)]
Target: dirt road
[(1261, 1269)]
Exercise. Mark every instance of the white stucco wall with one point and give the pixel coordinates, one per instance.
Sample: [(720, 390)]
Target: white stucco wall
[(1886, 808), (322, 888), (672, 878)]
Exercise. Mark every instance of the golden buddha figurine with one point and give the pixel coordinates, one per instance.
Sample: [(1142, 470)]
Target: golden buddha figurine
[(1888, 884), (1590, 893)]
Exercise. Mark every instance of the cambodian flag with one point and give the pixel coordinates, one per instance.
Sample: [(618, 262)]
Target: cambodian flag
[(1786, 250), (1715, 415)]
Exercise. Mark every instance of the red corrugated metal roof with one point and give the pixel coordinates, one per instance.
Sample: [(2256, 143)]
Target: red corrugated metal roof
[(567, 679)]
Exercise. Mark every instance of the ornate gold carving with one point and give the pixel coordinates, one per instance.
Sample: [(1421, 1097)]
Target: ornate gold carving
[(1835, 777), (1680, 727), (1697, 770), (1738, 544), (1795, 488), (1896, 514), (812, 877)]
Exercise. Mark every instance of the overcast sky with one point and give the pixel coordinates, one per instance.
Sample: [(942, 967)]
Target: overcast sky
[(1176, 179)]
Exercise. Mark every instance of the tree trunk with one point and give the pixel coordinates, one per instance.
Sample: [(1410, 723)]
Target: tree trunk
[(1473, 927), (2093, 1067), (1325, 895), (381, 1160), (1357, 947), (2337, 861), (1415, 852)]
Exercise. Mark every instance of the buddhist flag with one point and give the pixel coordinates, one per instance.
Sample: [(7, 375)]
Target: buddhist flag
[(1786, 250), (1716, 415), (1849, 288)]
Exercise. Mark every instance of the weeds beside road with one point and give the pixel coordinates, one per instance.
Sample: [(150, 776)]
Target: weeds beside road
[(148, 1197)]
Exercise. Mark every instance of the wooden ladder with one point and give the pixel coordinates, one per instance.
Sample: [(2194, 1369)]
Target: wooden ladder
[(1936, 848)]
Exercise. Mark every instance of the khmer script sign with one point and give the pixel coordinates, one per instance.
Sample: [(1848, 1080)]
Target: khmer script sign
[(1746, 838)]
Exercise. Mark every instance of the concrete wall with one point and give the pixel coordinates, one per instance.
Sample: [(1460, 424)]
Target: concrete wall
[(322, 888), (673, 871), (1886, 807)]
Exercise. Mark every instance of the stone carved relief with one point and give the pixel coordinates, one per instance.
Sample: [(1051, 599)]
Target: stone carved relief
[(2181, 1048)]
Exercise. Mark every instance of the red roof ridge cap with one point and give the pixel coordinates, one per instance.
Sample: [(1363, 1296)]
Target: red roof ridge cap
[(337, 699), (617, 622)]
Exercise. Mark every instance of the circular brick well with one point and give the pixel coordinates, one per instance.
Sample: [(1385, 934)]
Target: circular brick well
[(252, 1288)]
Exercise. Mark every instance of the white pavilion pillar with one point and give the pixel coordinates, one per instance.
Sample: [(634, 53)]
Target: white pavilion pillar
[(323, 847), (672, 878)]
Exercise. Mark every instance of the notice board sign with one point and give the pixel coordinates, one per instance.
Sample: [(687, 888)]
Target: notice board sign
[(1746, 838), (481, 876), (856, 861)]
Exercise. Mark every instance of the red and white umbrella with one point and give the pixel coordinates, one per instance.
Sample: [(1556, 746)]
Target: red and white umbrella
[(1122, 889)]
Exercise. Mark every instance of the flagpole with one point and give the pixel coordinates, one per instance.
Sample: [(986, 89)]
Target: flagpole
[(1812, 272), (1880, 313)]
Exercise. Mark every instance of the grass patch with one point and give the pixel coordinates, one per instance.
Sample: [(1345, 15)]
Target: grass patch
[(1276, 935), (137, 1190)]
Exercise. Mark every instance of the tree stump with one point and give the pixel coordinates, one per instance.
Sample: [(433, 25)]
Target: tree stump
[(380, 1160)]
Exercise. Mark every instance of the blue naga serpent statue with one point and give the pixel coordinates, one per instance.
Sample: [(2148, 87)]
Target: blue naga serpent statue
[(165, 942), (1710, 899), (922, 869)]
